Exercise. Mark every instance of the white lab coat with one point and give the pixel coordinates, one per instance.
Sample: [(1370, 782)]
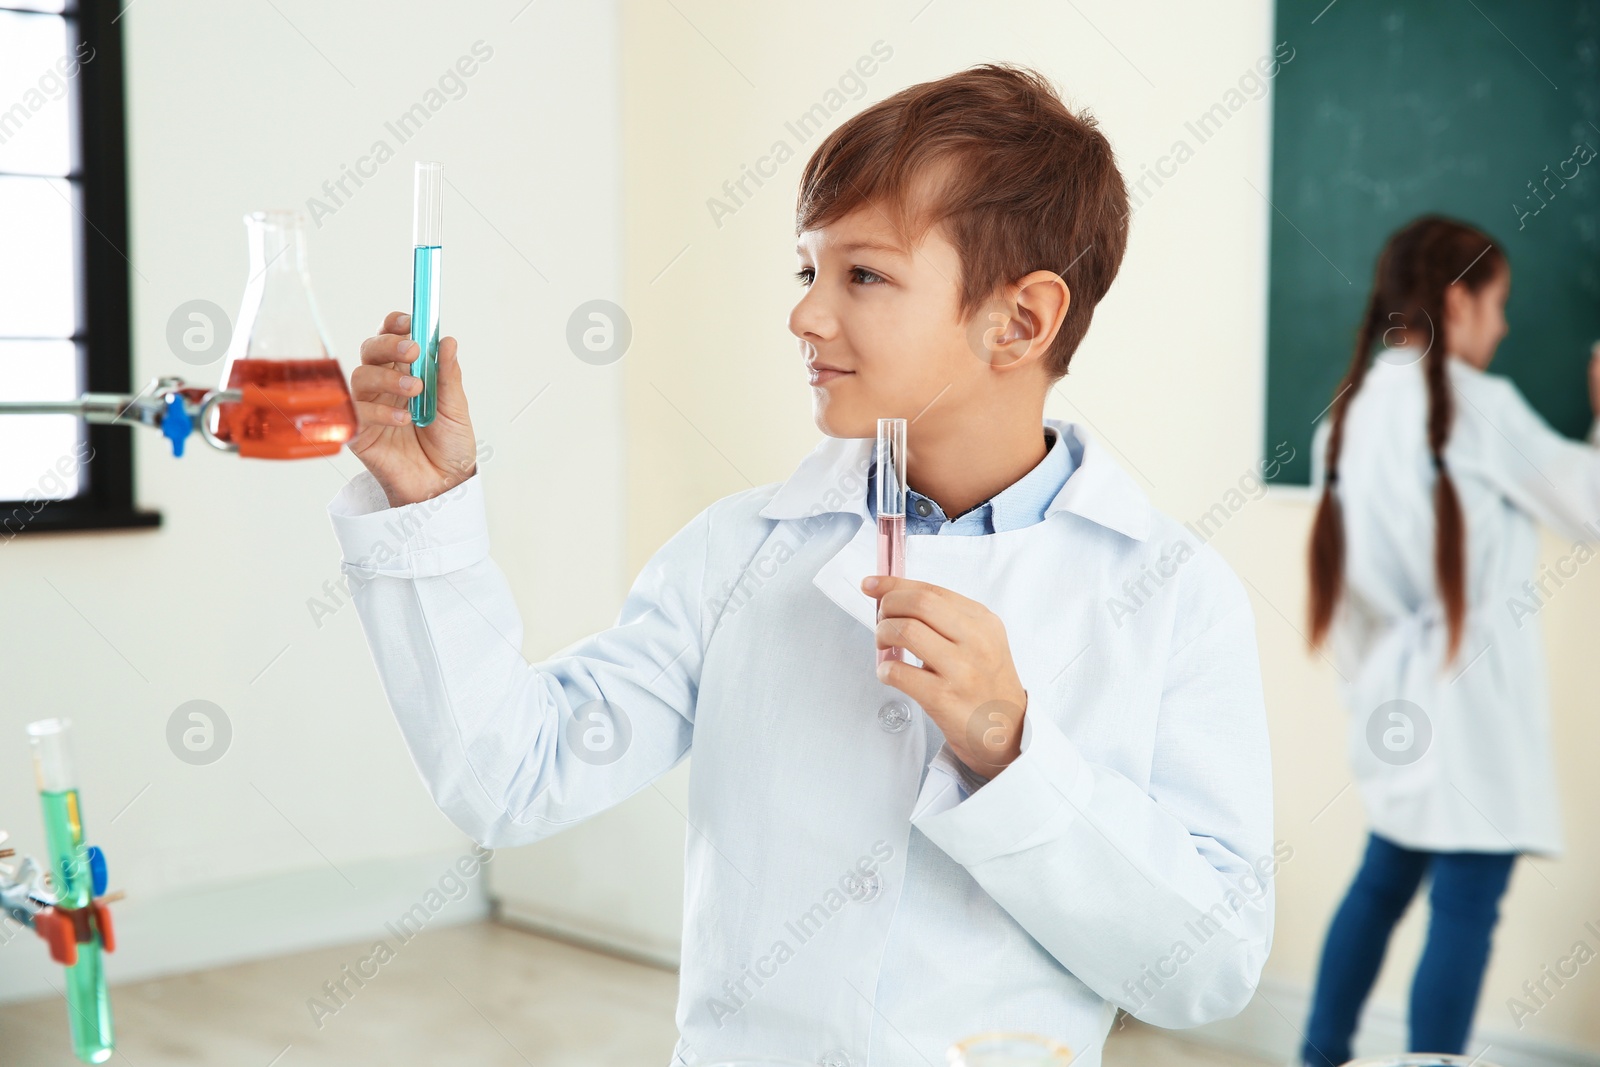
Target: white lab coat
[(1473, 771), (845, 903)]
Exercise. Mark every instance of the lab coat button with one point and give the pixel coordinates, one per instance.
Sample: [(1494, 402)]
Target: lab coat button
[(864, 888), (834, 1058), (894, 716)]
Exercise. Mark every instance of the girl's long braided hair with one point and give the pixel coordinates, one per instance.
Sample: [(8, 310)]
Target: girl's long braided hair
[(1419, 262)]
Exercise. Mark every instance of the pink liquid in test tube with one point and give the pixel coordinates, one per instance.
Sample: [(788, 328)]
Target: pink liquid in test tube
[(891, 489)]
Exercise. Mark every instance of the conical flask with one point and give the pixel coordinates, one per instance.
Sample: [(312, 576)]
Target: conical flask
[(296, 402)]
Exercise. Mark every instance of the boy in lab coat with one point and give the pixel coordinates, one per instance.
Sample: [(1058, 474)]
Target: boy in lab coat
[(1058, 805)]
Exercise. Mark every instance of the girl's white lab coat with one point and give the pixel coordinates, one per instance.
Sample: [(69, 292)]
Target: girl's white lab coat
[(845, 903), (1468, 766)]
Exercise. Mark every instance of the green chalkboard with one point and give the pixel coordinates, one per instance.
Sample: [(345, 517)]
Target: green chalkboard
[(1389, 110)]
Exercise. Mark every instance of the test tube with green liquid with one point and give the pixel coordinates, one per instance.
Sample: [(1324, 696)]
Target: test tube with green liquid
[(88, 1003), (427, 239)]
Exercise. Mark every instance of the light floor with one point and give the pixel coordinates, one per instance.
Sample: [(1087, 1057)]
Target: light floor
[(480, 994)]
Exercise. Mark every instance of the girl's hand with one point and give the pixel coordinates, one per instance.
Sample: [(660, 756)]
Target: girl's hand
[(967, 683), (1594, 378), (411, 464)]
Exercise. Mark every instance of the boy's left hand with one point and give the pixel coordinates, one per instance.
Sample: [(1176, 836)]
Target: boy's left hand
[(967, 683)]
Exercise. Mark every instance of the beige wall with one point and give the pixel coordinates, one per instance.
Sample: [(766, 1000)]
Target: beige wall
[(1171, 375)]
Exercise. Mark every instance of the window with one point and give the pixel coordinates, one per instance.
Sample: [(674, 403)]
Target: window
[(63, 269)]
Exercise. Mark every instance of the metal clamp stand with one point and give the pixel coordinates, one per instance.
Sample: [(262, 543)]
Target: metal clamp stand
[(171, 406)]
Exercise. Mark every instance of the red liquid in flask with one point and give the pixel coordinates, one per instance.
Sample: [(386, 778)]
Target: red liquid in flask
[(292, 408), (892, 562)]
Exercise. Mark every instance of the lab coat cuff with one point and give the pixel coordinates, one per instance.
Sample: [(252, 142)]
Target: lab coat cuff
[(1014, 806), (431, 537)]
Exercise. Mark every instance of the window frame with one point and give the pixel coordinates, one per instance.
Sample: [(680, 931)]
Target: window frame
[(106, 497)]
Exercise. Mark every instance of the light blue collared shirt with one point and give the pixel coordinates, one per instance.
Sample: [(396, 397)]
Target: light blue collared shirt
[(1022, 503)]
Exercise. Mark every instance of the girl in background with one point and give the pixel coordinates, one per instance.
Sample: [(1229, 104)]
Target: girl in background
[(1434, 476)]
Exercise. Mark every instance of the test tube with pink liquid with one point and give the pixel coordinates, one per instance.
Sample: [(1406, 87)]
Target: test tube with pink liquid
[(891, 489)]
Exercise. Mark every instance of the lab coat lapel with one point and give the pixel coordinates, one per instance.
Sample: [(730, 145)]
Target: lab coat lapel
[(833, 478), (840, 577)]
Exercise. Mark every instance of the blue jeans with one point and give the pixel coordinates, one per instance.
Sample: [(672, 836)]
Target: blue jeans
[(1464, 904)]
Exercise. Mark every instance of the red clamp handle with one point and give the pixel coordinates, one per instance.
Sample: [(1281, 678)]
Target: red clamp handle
[(62, 929), (58, 931)]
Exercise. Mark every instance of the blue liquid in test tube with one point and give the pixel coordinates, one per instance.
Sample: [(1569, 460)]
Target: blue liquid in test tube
[(427, 235)]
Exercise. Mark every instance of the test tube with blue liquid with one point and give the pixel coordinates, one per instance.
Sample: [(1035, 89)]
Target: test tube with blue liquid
[(891, 490), (427, 237)]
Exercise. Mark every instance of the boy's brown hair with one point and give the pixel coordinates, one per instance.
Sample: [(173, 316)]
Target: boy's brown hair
[(1019, 182)]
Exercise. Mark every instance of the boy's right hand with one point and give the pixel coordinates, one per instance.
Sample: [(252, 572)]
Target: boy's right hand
[(410, 463)]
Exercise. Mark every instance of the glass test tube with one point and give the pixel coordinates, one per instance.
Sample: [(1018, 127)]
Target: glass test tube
[(427, 238), (88, 1004), (891, 489)]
